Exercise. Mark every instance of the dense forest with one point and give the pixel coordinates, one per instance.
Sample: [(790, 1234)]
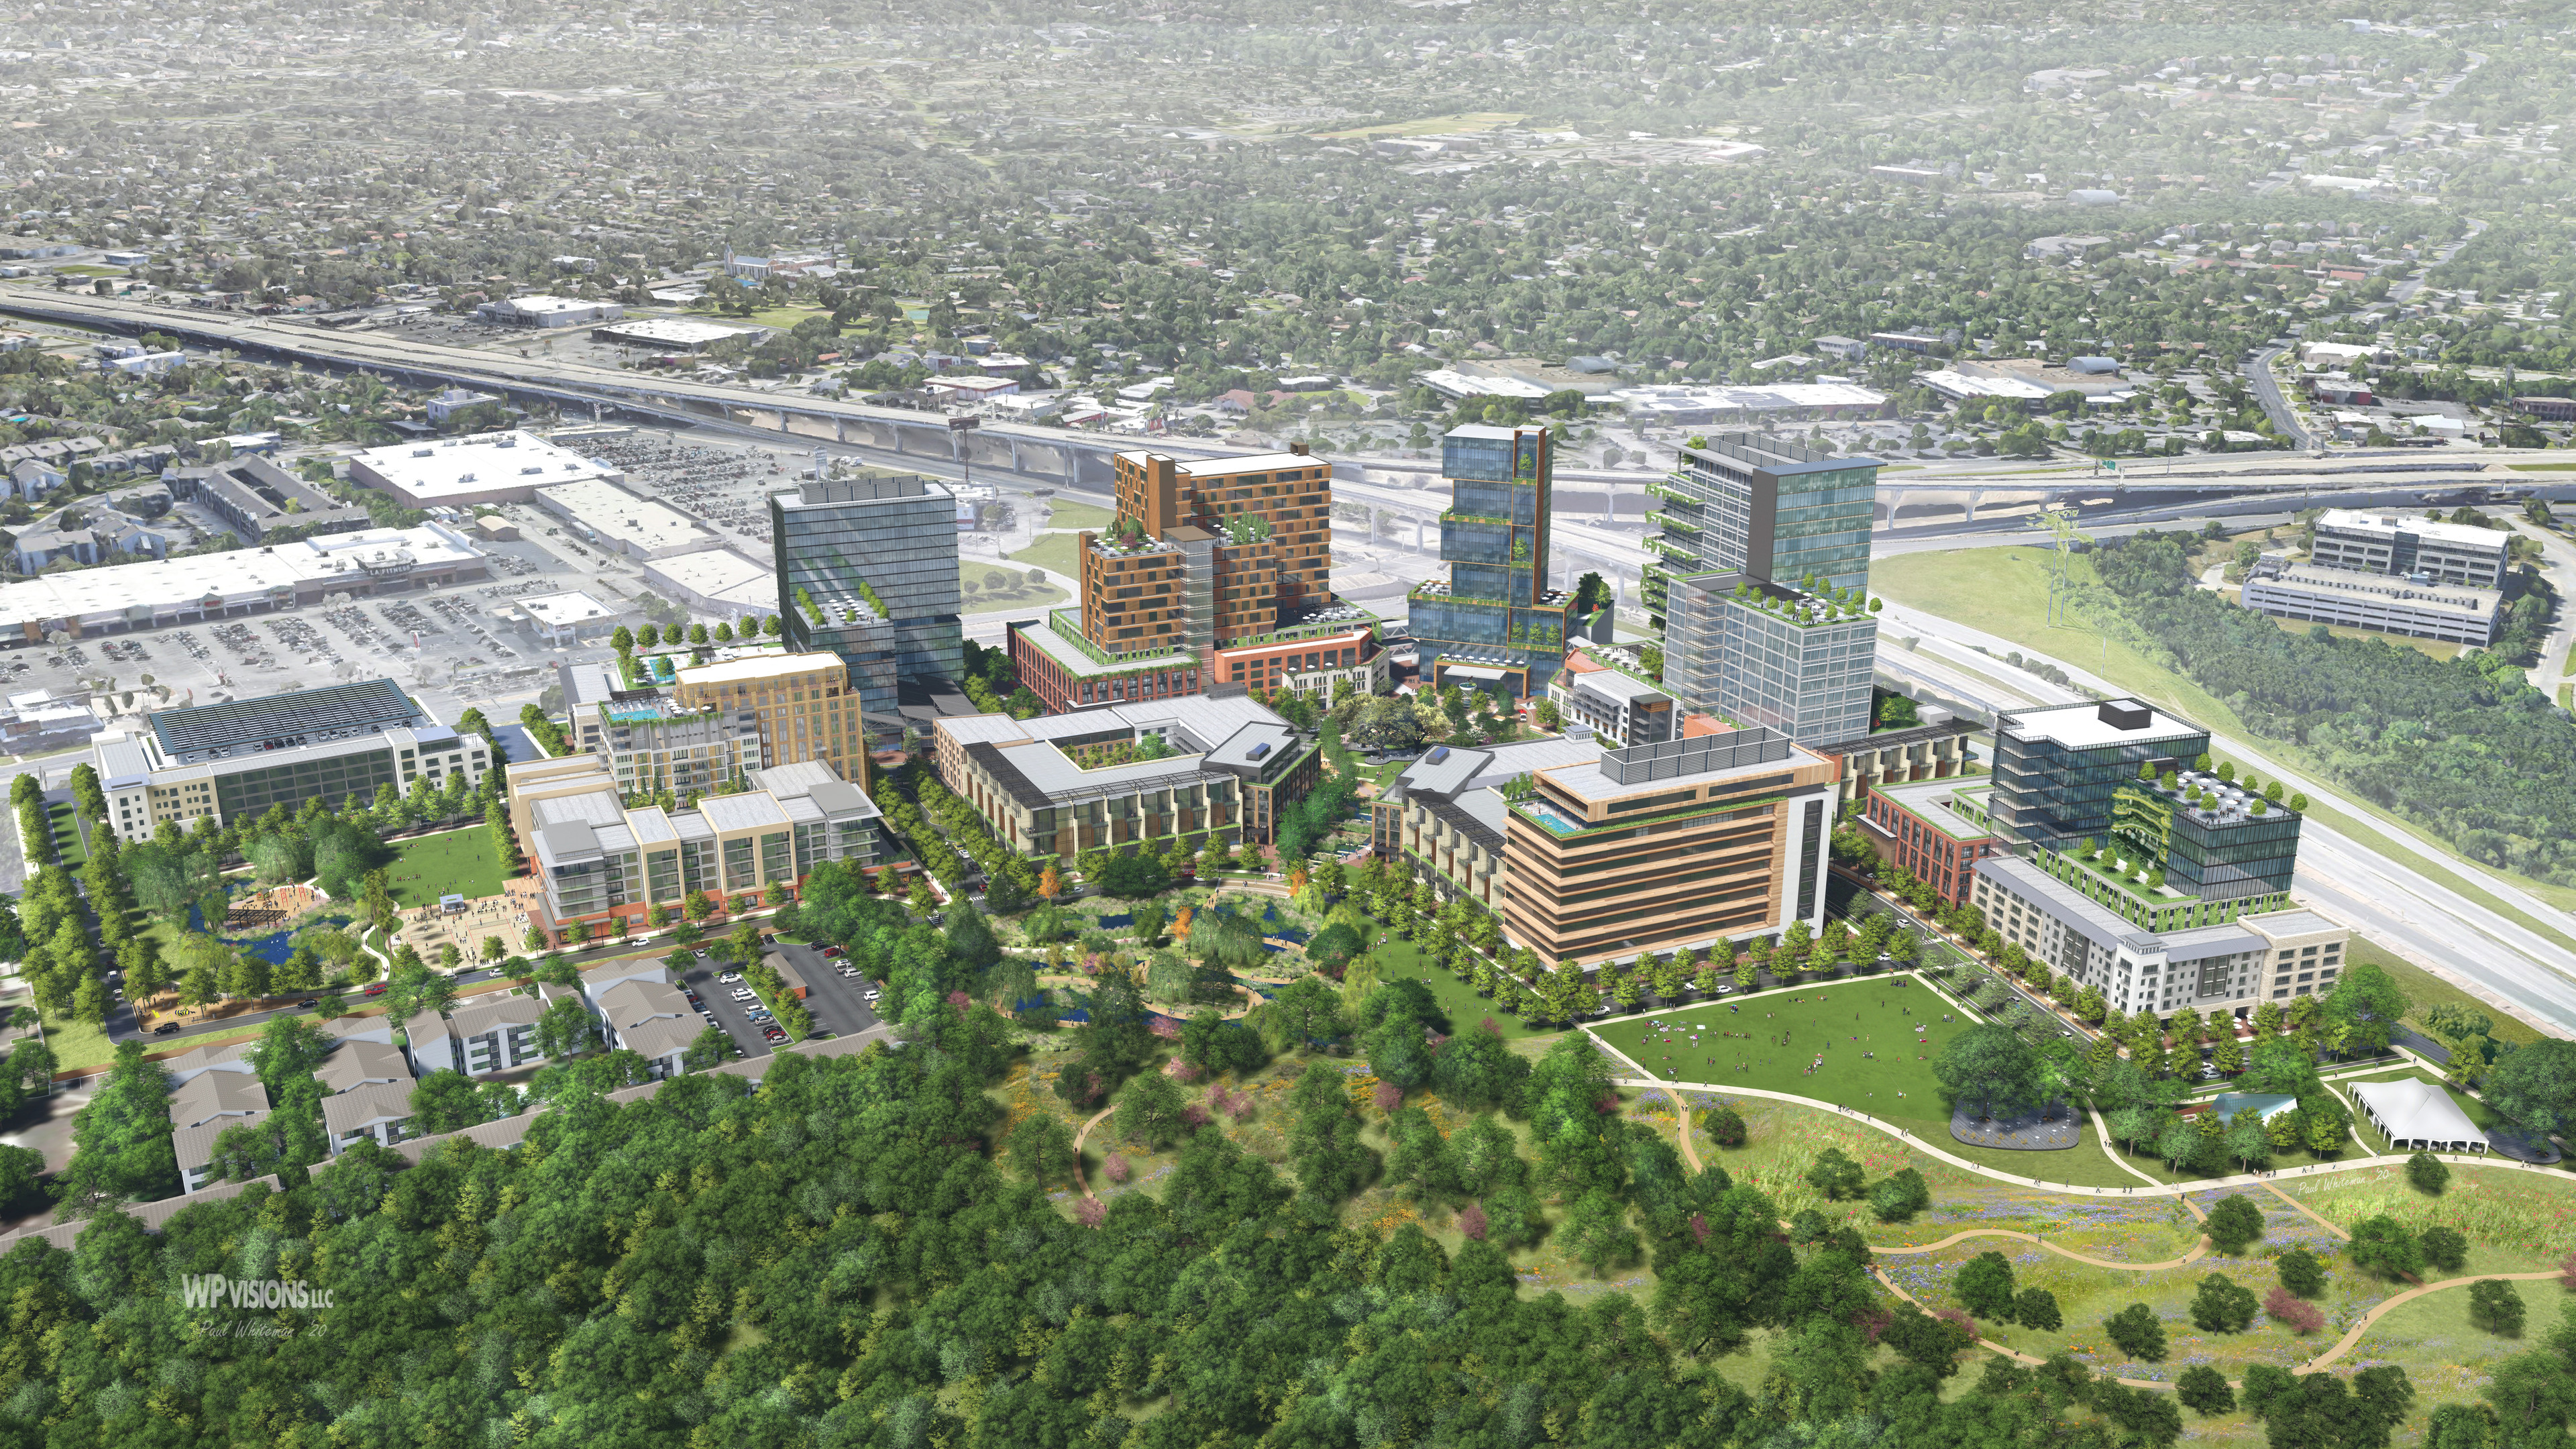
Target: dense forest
[(2465, 746)]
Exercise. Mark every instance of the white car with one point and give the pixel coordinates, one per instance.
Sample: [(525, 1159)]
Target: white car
[(730, 977), (871, 997), (746, 994)]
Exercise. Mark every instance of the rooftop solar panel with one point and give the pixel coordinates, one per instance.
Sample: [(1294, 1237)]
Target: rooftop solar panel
[(283, 721)]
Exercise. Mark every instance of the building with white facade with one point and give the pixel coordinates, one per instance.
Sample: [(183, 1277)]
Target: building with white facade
[(504, 467), (2386, 604), (543, 311), (600, 512), (158, 593)]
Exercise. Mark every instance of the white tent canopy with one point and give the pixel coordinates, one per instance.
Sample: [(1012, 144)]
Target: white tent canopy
[(2417, 1116)]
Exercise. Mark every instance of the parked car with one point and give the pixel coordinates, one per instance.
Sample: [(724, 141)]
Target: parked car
[(773, 1034), (308, 1001), (374, 988), (831, 953), (871, 997), (745, 994), (167, 1028), (729, 977)]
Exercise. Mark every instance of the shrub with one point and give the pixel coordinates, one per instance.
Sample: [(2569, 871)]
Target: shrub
[(1471, 1222), (2235, 1222), (1724, 1125), (2292, 1312), (2138, 1332), (1835, 1175), (2444, 1248), (2301, 1273), (2222, 1306), (2036, 1308), (2427, 1174), (2204, 1391), (2496, 1307)]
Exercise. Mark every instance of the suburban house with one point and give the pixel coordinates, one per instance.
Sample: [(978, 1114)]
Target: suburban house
[(378, 1110), (201, 1108), (652, 1020), (495, 1032)]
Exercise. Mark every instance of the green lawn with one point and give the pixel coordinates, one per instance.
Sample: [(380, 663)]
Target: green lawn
[(1061, 514), (1051, 551), (76, 1043), (67, 836), (1021, 595), (1458, 1000), (2004, 592), (1816, 1020), (458, 862)]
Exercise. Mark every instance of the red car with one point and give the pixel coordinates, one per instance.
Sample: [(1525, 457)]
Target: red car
[(831, 953), (374, 988)]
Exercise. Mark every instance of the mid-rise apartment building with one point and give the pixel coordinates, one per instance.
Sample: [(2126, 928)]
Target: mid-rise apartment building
[(1215, 571), (867, 570), (1934, 830), (1129, 776), (800, 704), (2134, 872), (1496, 625), (606, 864), (237, 760), (1443, 816), (1614, 704), (1681, 844)]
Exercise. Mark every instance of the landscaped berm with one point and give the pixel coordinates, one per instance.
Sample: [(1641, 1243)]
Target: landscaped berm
[(1867, 1044)]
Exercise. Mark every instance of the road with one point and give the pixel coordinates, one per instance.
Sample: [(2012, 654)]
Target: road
[(2267, 391), (2385, 899)]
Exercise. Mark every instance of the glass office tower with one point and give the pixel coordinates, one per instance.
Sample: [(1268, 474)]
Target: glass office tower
[(867, 569), (1496, 625), (1766, 508)]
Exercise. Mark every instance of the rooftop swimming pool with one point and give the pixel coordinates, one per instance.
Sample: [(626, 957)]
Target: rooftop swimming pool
[(1557, 821)]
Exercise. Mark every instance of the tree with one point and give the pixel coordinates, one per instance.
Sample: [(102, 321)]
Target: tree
[(2036, 1308), (706, 1051), (2204, 1391), (1835, 1175), (2233, 1223), (1899, 1196), (2138, 1332), (1984, 1286), (2444, 1248), (1150, 1111), (2427, 1174), (444, 1101), (2535, 1087), (2381, 1244), (2496, 1307), (1134, 877), (2222, 1306), (1933, 1344), (2301, 1272), (2365, 1005), (1041, 1149), (1991, 1066)]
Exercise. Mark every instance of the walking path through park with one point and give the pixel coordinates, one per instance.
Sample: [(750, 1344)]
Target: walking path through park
[(1078, 1138), (2318, 1364)]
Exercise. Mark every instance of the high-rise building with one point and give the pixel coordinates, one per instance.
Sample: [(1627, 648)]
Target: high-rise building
[(1758, 579), (1214, 571), (1761, 653), (1766, 508), (1495, 625), (867, 570), (238, 760)]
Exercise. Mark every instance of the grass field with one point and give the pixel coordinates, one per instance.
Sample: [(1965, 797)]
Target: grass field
[(1051, 551), (67, 836), (2003, 592), (1431, 125), (2424, 989), (458, 862), (1023, 595), (1818, 1021), (1458, 1000), (1061, 514)]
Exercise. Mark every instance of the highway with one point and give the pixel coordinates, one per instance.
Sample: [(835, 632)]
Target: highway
[(2267, 391), (2413, 915)]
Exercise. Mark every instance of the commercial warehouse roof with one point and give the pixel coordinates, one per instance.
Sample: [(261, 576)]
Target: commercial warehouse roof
[(633, 525), (471, 467), (138, 592)]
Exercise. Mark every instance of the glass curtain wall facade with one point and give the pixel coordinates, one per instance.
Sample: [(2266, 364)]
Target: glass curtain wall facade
[(1765, 507), (867, 569), (1496, 624), (2057, 783), (1761, 654)]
